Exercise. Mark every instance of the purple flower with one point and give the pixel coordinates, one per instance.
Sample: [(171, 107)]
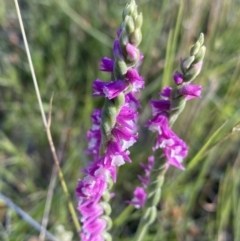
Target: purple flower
[(116, 49), (158, 106), (147, 168), (90, 187), (191, 91), (94, 135), (133, 52), (90, 190), (113, 89), (106, 64), (178, 78), (124, 134), (110, 150), (158, 123), (132, 101), (127, 118), (140, 197), (92, 226), (115, 155), (98, 86), (118, 32), (176, 152), (135, 79), (166, 93), (139, 193), (173, 147), (109, 89)]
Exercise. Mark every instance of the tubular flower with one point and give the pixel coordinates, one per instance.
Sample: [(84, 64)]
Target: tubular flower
[(114, 127)]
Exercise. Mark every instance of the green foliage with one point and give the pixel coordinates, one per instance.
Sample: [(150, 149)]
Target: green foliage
[(67, 39)]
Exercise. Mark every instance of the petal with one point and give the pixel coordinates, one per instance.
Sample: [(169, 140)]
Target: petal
[(116, 48), (135, 79), (133, 52), (166, 92), (97, 87), (158, 123), (158, 106), (140, 197), (113, 89), (106, 64), (191, 90), (178, 78), (119, 31)]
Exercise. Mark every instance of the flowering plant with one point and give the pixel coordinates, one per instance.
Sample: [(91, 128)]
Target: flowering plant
[(114, 127)]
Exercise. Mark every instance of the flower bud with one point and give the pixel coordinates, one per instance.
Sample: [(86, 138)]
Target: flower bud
[(200, 55), (136, 37), (195, 48), (120, 67), (139, 21), (201, 39), (186, 63), (129, 24), (178, 78)]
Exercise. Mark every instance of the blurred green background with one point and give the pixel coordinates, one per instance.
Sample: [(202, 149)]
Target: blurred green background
[(67, 39)]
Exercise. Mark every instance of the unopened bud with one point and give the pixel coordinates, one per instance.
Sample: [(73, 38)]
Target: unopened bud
[(178, 78), (200, 55), (139, 21), (136, 37), (106, 207), (193, 72), (186, 63), (108, 221), (106, 236), (201, 39), (129, 25), (120, 67), (195, 48)]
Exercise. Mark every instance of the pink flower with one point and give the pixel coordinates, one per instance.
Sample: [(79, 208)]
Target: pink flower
[(173, 147), (191, 91), (110, 150), (140, 197), (178, 78), (133, 52), (94, 135), (135, 79), (140, 194)]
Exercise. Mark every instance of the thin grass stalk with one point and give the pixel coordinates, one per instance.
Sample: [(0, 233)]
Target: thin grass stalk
[(47, 124), (52, 185), (84, 24), (172, 45), (26, 217)]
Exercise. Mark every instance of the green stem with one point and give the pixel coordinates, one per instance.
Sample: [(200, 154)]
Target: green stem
[(154, 196), (47, 124), (123, 216)]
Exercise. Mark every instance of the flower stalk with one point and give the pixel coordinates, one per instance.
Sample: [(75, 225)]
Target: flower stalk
[(114, 127), (165, 112)]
